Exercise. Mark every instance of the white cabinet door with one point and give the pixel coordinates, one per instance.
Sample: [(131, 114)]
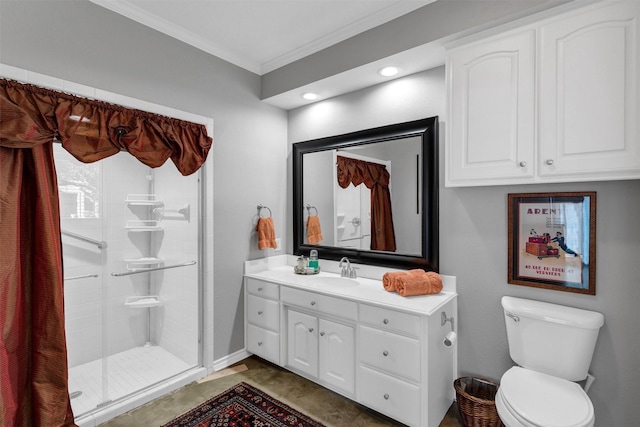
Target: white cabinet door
[(337, 355), (589, 92), (302, 344), (491, 123)]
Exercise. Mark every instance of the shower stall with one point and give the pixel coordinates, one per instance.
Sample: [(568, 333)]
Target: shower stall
[(131, 255)]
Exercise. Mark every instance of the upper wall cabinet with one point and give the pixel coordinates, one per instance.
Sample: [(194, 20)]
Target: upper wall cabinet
[(554, 101)]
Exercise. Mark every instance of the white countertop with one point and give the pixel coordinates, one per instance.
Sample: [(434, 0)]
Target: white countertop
[(368, 290)]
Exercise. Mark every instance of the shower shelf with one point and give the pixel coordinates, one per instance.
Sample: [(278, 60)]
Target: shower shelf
[(143, 199), (135, 264), (143, 225), (144, 301)]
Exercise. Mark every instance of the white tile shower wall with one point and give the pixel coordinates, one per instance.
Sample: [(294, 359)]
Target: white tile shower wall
[(126, 328), (176, 322)]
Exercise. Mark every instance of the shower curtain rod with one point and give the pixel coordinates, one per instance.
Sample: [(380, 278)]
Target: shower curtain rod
[(147, 270), (99, 244)]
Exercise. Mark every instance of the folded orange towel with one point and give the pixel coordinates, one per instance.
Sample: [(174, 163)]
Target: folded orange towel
[(266, 233), (419, 284), (314, 233), (390, 279)]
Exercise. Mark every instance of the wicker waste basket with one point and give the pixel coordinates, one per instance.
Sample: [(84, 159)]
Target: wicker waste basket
[(476, 402)]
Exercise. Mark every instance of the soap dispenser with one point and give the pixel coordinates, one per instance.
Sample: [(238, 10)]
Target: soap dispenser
[(313, 260)]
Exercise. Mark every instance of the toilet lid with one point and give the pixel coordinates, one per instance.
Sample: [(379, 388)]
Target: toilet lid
[(545, 401)]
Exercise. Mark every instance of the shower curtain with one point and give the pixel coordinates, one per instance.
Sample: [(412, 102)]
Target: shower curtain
[(375, 177), (33, 355)]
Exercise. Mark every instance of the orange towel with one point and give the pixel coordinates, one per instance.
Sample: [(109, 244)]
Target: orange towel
[(266, 233), (390, 280), (314, 233), (419, 284)]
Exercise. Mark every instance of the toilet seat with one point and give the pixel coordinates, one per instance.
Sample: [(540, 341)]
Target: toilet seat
[(535, 399)]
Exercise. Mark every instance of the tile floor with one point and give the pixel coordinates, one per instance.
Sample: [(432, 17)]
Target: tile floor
[(315, 401), (124, 373)]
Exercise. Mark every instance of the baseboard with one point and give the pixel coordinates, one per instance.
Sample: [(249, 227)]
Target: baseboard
[(228, 360)]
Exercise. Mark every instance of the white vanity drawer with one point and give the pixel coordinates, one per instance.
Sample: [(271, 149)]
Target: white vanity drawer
[(390, 396), (263, 312), (392, 353), (263, 343), (390, 320), (320, 303), (263, 289)]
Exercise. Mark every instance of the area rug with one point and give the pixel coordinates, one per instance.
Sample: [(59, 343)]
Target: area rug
[(243, 406)]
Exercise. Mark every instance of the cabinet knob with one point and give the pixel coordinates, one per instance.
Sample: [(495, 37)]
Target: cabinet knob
[(385, 353), (321, 334), (386, 396), (549, 162), (310, 329), (523, 164), (259, 343), (259, 289), (313, 303), (385, 321), (259, 313)]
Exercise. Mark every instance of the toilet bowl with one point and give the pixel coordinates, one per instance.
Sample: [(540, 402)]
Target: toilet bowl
[(527, 398)]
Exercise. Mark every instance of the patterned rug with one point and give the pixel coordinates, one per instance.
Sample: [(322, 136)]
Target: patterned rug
[(243, 406)]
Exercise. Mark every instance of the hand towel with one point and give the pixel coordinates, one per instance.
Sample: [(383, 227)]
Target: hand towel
[(419, 284), (314, 233), (266, 233), (390, 279)]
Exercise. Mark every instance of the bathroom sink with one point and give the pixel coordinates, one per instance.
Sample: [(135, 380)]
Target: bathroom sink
[(333, 281)]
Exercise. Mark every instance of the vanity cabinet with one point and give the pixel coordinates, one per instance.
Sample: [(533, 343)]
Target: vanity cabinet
[(372, 346), (552, 101), (318, 345), (390, 362), (262, 323)]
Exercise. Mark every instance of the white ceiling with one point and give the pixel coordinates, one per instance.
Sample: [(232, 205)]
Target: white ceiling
[(262, 35)]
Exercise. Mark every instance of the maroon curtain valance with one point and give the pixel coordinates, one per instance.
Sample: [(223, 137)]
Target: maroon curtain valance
[(375, 177), (92, 130)]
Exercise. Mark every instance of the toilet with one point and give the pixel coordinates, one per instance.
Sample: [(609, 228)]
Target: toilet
[(553, 346)]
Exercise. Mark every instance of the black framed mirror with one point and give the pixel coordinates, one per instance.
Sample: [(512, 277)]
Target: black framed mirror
[(372, 196)]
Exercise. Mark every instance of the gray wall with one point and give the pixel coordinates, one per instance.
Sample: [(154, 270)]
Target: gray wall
[(473, 247), (83, 43)]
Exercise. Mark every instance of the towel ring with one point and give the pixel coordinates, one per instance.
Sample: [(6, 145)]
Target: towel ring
[(309, 207), (260, 207)]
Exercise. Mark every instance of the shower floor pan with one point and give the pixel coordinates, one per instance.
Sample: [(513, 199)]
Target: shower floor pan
[(128, 372)]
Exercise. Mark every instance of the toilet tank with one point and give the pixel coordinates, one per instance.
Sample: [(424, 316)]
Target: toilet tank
[(550, 338)]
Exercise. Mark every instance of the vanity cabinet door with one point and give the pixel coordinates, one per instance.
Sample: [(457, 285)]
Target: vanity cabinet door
[(589, 93), (302, 344), (491, 125), (337, 355)]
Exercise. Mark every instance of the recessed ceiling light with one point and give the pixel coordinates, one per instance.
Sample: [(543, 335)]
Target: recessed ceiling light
[(388, 71), (310, 96)]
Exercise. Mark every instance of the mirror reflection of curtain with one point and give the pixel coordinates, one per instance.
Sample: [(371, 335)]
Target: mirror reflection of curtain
[(375, 177), (33, 353)]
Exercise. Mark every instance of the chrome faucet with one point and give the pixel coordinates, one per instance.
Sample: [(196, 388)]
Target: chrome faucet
[(347, 270)]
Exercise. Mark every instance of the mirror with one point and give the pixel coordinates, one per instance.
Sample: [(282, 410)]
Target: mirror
[(370, 195)]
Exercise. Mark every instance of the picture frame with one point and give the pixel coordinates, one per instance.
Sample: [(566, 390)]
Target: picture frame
[(552, 241)]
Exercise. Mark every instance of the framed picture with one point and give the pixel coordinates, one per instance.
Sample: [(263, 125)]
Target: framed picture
[(552, 241)]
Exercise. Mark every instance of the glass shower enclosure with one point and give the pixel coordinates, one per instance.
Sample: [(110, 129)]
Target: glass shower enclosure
[(131, 248)]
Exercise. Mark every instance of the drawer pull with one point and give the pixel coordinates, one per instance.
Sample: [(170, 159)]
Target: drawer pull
[(310, 329), (313, 303), (259, 289), (259, 313), (385, 353), (549, 162), (386, 396), (385, 321), (259, 343)]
